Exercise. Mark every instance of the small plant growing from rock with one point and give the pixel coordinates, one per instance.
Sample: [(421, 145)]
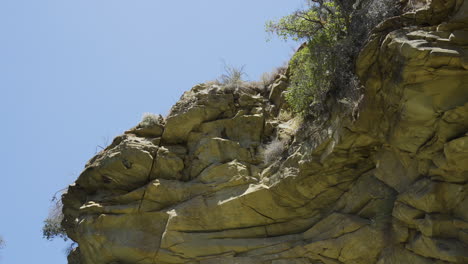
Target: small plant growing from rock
[(268, 78), (150, 119), (273, 151), (53, 223), (232, 77), (285, 116)]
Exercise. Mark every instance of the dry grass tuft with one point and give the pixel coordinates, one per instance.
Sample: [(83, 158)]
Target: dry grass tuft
[(273, 151), (232, 77), (269, 78), (150, 119)]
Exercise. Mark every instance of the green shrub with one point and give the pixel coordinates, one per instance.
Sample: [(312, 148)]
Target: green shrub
[(53, 223), (308, 81), (323, 25), (334, 31), (52, 228), (322, 21)]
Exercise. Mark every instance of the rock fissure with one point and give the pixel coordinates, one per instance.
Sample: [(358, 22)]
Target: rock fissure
[(155, 158), (256, 211)]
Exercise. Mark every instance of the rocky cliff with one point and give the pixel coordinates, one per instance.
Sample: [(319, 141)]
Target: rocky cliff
[(228, 178)]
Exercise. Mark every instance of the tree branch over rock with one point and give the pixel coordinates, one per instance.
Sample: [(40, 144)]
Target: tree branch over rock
[(334, 31)]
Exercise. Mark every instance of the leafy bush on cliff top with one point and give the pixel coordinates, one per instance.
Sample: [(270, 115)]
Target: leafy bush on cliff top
[(334, 31), (323, 25)]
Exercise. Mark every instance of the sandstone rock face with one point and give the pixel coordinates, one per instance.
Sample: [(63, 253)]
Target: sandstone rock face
[(388, 187)]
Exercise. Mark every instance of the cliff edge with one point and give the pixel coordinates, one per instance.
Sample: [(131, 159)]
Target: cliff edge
[(228, 177)]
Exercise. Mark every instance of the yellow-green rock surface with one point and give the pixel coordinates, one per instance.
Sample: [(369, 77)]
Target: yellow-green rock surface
[(387, 187)]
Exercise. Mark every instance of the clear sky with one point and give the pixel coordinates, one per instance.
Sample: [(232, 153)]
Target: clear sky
[(76, 73)]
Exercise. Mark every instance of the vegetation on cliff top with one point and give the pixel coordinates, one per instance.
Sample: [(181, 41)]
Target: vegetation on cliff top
[(334, 31)]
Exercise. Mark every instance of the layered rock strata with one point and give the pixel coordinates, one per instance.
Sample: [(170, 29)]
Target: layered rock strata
[(389, 186)]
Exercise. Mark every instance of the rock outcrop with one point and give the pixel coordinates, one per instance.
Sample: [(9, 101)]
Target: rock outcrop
[(389, 186)]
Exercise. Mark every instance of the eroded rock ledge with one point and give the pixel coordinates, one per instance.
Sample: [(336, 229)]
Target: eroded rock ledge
[(388, 187)]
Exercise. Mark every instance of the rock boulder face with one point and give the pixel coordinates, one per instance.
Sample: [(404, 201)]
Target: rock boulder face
[(228, 178)]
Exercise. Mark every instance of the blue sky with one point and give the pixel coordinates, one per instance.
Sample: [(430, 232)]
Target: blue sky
[(76, 73)]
